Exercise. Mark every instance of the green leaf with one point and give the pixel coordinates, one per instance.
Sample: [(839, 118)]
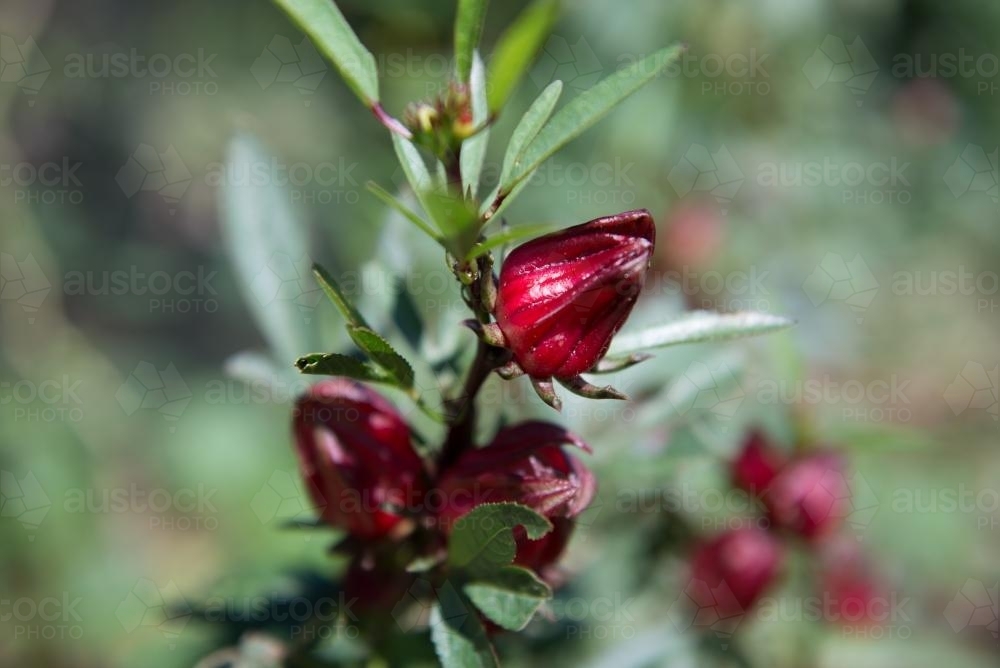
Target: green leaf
[(529, 125), (457, 217), (507, 236), (338, 297), (406, 212), (699, 327), (468, 30), (263, 237), (474, 148), (509, 597), (482, 540), (459, 637), (326, 26), (380, 352), (588, 108), (516, 49), (335, 364)]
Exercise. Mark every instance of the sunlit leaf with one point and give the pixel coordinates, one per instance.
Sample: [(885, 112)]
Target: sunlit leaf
[(699, 327), (516, 49), (468, 30), (588, 108), (326, 26), (474, 148), (529, 126)]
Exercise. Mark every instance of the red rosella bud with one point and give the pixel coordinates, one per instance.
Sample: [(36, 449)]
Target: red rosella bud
[(732, 570), (757, 463), (524, 464), (356, 456), (810, 496), (563, 296)]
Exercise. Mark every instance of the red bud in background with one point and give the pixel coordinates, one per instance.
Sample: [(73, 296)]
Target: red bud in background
[(356, 456), (810, 496), (525, 464), (857, 595), (735, 568), (757, 463), (563, 296)]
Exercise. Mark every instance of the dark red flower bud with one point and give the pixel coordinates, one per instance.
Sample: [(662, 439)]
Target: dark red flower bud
[(357, 458), (853, 591), (524, 464), (810, 496), (757, 463), (563, 296), (731, 571)]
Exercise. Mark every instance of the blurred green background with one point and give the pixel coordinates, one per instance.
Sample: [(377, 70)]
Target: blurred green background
[(832, 160)]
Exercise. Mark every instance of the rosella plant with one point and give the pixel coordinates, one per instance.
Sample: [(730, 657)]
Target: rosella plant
[(482, 523)]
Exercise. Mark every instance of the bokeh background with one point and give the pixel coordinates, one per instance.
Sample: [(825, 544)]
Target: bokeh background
[(832, 160)]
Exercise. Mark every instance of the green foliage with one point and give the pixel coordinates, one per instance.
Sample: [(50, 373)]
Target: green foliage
[(259, 227), (482, 540), (459, 637), (588, 108), (474, 148), (468, 29), (326, 26), (529, 126), (516, 50), (699, 327), (509, 597)]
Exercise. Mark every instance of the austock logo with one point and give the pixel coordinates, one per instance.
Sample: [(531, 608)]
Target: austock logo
[(835, 279), (23, 500), (975, 605), (287, 279), (976, 387), (975, 171), (148, 170), (576, 65), (707, 391), (834, 62), (704, 607), (23, 64), (149, 605), (148, 388), (23, 283), (282, 62), (283, 497), (701, 171)]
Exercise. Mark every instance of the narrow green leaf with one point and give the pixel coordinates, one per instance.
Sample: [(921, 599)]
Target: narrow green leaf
[(338, 297), (529, 125), (413, 165), (335, 364), (326, 26), (507, 236), (510, 597), (468, 30), (457, 217), (699, 327), (474, 148), (588, 108), (380, 352), (482, 540), (265, 242), (516, 49), (459, 637), (404, 210)]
